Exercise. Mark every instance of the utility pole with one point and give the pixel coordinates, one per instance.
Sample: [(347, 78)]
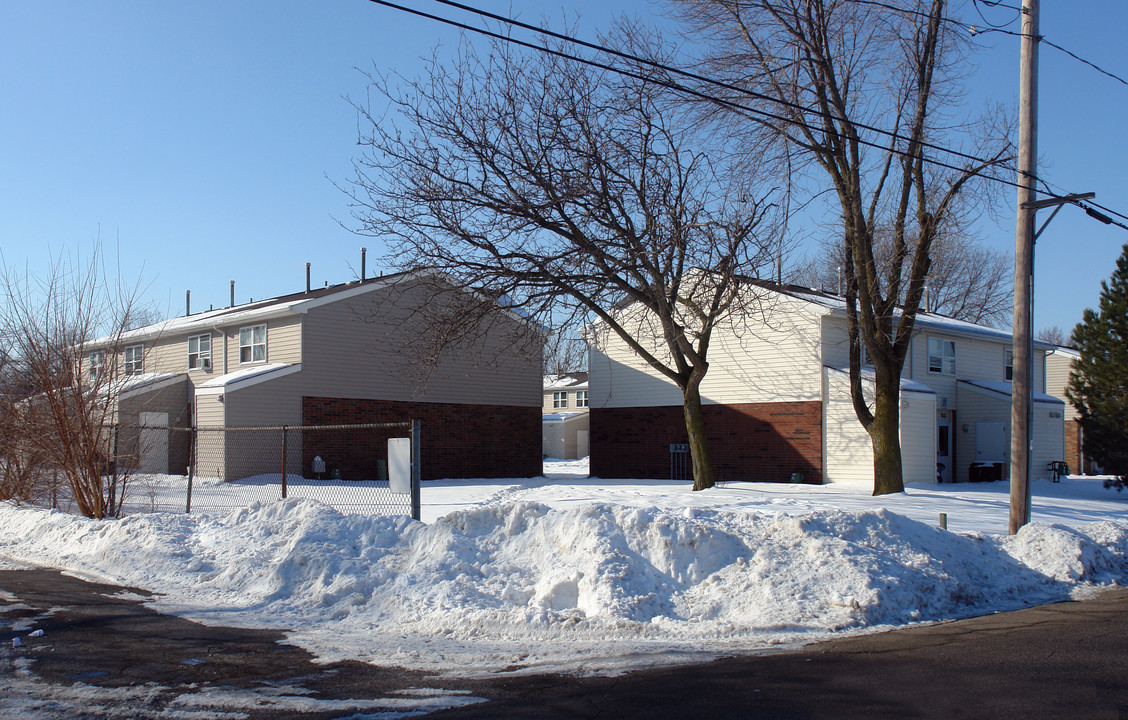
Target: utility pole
[(1023, 376)]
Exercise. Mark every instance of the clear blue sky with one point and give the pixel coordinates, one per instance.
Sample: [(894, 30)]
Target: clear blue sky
[(200, 139)]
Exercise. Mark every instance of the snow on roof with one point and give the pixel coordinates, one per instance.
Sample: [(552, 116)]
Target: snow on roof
[(1067, 351), (126, 385), (907, 385), (562, 417), (246, 376), (1000, 387), (576, 380), (924, 320)]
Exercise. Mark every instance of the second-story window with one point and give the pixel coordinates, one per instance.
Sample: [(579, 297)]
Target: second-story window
[(252, 344), (97, 364), (560, 399), (199, 351), (133, 360), (1008, 364), (942, 356), (581, 398)]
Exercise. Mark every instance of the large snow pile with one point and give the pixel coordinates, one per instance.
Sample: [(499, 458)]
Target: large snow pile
[(588, 587)]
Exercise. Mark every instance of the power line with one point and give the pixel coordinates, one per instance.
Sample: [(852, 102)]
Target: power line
[(682, 88), (1098, 68), (975, 4), (704, 96), (993, 28)]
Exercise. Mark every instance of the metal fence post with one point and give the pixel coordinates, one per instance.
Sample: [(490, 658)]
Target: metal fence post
[(193, 452), (114, 473), (284, 433), (416, 470)]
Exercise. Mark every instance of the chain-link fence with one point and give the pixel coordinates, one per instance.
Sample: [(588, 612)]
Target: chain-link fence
[(368, 469)]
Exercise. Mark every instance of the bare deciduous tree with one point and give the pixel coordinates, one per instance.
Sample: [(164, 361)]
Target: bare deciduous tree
[(579, 196), (1054, 334), (966, 281), (564, 353), (61, 407), (829, 76)]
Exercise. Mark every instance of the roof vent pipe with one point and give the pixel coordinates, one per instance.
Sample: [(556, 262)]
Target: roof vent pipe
[(363, 252), (307, 278), (779, 269), (232, 294), (187, 303)]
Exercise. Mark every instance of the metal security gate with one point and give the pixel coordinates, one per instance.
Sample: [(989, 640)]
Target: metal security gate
[(681, 468)]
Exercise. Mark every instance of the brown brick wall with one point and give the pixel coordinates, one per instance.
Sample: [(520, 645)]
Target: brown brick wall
[(759, 442), (1073, 445), (458, 441)]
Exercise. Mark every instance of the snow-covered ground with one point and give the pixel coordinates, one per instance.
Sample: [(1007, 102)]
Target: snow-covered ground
[(567, 573)]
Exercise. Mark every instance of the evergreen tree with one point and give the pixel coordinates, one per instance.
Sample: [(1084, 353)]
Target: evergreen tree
[(1098, 385)]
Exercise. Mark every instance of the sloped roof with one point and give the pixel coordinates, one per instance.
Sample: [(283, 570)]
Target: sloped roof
[(569, 381), (924, 320), (246, 376), (1003, 389), (290, 304), (907, 385)]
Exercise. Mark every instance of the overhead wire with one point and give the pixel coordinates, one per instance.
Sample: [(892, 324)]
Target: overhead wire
[(682, 88), (726, 102)]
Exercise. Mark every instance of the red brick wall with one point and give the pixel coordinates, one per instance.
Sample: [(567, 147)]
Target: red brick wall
[(1073, 445), (761, 442), (458, 441)]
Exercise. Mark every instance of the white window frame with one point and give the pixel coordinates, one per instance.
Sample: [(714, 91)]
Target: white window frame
[(250, 345), (97, 364), (560, 399), (581, 398), (133, 360), (1008, 364), (196, 359), (945, 362)]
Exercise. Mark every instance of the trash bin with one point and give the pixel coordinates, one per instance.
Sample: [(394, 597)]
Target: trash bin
[(985, 472)]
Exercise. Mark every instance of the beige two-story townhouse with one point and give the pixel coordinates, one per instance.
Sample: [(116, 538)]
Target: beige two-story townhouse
[(777, 403), (357, 352)]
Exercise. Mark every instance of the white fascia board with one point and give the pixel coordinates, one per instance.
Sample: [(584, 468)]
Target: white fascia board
[(1000, 389), (241, 379), (153, 385), (906, 384)]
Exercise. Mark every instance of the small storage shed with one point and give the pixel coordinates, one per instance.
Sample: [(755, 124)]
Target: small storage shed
[(565, 435)]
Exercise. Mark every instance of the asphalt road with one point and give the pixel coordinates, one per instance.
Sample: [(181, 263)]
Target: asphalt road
[(1057, 661)]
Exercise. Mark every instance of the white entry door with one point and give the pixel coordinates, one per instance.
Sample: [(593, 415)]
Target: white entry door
[(581, 443), (153, 443), (990, 442)]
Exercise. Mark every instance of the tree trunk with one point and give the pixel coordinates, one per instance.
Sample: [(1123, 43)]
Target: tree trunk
[(695, 428), (886, 437)]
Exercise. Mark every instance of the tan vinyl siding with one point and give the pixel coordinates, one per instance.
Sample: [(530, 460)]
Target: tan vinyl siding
[(210, 412), (1058, 366), (283, 342), (356, 348), (270, 403), (170, 355), (849, 451), (976, 406), (918, 437), (210, 454), (772, 357), (171, 398), (976, 359), (573, 401)]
